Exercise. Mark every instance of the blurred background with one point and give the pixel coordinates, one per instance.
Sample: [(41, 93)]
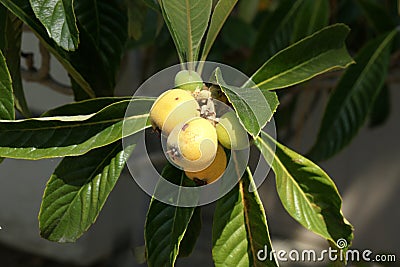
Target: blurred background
[(367, 172)]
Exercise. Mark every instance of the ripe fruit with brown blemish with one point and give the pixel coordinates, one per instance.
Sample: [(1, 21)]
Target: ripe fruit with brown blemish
[(172, 108), (193, 145)]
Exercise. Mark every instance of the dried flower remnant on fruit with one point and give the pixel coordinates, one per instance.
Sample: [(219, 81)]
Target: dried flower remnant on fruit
[(207, 106)]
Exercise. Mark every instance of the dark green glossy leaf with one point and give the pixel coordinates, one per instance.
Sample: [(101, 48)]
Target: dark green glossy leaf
[(7, 101), (275, 33), (187, 22), (6, 92), (381, 108), (71, 61), (166, 225), (77, 191), (250, 104), (10, 45), (71, 135), (351, 101), (59, 19), (221, 12), (306, 191), (85, 107), (321, 52), (240, 227), (103, 26), (311, 16), (103, 35), (191, 235)]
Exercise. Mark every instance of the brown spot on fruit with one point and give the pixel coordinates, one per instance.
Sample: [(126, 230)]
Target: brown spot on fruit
[(184, 127)]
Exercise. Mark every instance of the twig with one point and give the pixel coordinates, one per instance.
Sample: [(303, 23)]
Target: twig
[(42, 75)]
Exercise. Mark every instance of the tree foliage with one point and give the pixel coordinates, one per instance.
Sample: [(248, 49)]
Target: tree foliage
[(287, 44)]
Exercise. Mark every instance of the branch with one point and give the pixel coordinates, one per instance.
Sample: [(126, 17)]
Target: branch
[(42, 75)]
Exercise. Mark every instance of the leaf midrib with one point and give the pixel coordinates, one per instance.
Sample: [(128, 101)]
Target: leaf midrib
[(175, 253), (294, 182), (189, 31), (82, 187), (84, 84), (247, 221), (210, 39), (172, 253), (367, 68), (300, 66), (76, 125), (223, 86)]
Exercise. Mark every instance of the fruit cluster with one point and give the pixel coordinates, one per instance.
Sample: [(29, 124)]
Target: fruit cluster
[(196, 137)]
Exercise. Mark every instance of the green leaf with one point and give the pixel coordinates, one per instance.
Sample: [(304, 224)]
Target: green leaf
[(306, 191), (6, 89), (272, 100), (71, 135), (250, 104), (22, 9), (187, 22), (321, 52), (166, 225), (59, 19), (240, 227), (85, 107), (10, 45), (105, 23), (104, 34), (350, 103), (191, 235), (312, 16), (275, 33), (221, 12), (77, 191), (6, 92), (380, 110)]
